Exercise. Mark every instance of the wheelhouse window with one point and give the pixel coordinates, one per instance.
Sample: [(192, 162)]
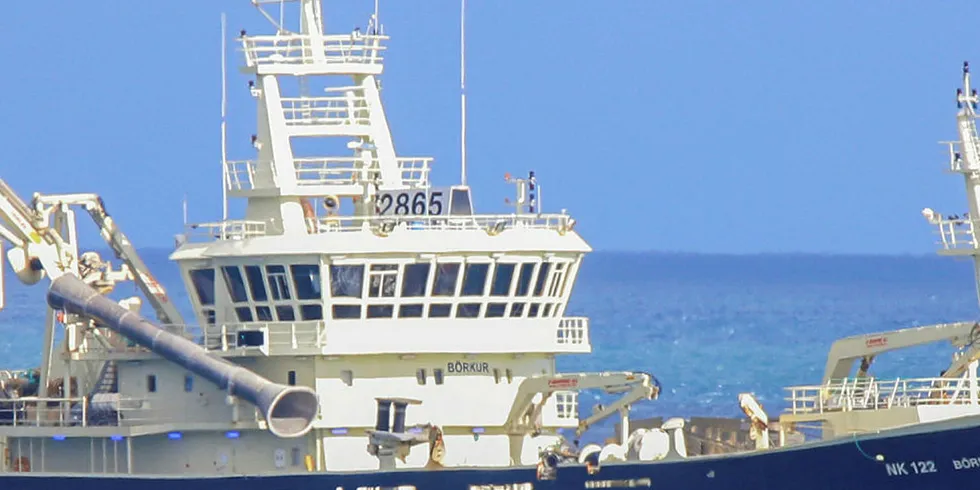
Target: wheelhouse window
[(475, 279), (524, 279), (447, 276), (382, 279), (503, 274), (542, 277), (346, 281), (203, 280), (414, 279), (307, 280)]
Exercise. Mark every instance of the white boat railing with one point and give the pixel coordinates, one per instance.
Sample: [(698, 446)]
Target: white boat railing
[(852, 394), (226, 230), (303, 49), (958, 234), (491, 223), (319, 171), (349, 170), (327, 110), (102, 410)]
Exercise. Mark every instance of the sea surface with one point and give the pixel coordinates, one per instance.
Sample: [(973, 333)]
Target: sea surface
[(707, 326)]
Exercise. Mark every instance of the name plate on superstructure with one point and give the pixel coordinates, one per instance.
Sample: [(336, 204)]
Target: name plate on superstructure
[(433, 201)]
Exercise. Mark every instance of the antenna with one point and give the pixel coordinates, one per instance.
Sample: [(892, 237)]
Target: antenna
[(185, 210), (224, 145), (462, 90)]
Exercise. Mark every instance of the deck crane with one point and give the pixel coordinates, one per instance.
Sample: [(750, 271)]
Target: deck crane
[(525, 413), (43, 243)]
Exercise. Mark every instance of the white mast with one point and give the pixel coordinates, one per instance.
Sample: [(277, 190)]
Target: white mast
[(462, 89), (224, 149)]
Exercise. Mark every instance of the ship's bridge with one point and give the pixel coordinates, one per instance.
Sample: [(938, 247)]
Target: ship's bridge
[(413, 284)]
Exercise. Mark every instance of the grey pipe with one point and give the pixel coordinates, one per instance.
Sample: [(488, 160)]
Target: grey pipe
[(288, 410)]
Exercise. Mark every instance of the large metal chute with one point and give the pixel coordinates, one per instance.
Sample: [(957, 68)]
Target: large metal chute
[(288, 410)]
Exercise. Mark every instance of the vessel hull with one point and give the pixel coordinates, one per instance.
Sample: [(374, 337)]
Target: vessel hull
[(937, 456)]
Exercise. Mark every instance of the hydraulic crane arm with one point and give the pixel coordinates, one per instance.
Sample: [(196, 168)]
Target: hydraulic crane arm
[(165, 310), (524, 412)]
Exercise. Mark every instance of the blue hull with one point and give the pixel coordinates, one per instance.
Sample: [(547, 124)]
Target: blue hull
[(935, 456)]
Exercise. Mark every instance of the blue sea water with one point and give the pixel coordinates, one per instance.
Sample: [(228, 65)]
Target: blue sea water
[(707, 326)]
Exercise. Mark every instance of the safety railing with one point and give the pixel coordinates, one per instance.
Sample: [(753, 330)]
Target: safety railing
[(491, 223), (349, 170), (282, 336), (328, 110), (573, 330), (226, 230), (957, 234), (871, 394), (100, 410), (295, 49), (245, 175)]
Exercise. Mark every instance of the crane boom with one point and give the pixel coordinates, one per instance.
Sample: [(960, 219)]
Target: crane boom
[(124, 250)]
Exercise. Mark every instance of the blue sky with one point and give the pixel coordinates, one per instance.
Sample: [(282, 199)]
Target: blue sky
[(697, 126)]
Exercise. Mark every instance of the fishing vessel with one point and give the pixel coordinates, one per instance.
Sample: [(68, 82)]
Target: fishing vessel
[(361, 328)]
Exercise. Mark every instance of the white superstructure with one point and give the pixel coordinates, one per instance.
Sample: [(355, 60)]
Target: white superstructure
[(348, 274)]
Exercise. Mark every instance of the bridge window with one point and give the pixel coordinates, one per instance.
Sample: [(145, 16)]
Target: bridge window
[(468, 310), (517, 310), (503, 275), (255, 283), (382, 279), (278, 282), (475, 279), (243, 313), (203, 280), (311, 311), (532, 312), (263, 313), (557, 280), (446, 279), (415, 278), (380, 311), (547, 310), (410, 311), (346, 281), (236, 284), (440, 310), (496, 310), (542, 277), (524, 280), (346, 311), (285, 313), (307, 280)]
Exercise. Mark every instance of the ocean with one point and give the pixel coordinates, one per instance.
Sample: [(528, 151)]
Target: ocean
[(707, 326)]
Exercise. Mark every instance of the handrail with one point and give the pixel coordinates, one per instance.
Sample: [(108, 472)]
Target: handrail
[(227, 230), (852, 394), (492, 223), (958, 234), (303, 49)]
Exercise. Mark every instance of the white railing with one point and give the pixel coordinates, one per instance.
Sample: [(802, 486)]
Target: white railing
[(491, 223), (226, 230), (102, 410), (573, 330), (957, 234), (301, 49), (241, 175), (871, 394), (282, 336), (328, 110), (350, 170)]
